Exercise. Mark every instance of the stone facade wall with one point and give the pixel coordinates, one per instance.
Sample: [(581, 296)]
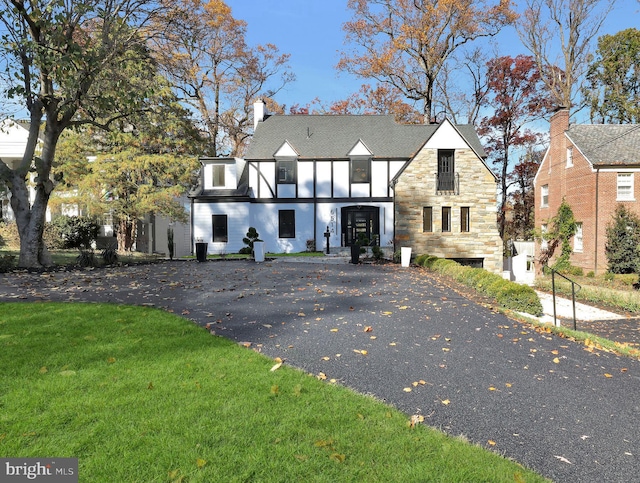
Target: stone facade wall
[(416, 189)]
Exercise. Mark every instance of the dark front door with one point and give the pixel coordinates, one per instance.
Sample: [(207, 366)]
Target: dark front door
[(360, 222)]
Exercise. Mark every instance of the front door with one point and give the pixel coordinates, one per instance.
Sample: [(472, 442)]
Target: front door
[(361, 222)]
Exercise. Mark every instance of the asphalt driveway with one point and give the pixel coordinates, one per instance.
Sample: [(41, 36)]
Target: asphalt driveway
[(569, 412)]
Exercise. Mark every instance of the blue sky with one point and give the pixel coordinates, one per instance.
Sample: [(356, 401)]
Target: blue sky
[(311, 31)]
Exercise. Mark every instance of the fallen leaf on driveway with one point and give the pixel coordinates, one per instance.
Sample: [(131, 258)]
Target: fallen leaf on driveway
[(446, 402), (563, 459)]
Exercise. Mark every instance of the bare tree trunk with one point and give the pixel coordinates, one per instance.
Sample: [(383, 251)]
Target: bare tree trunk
[(126, 235)]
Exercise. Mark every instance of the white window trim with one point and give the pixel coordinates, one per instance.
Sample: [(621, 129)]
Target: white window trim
[(632, 187), (543, 203), (544, 245), (578, 239)]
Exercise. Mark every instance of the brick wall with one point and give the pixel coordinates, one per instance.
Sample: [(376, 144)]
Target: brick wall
[(416, 189)]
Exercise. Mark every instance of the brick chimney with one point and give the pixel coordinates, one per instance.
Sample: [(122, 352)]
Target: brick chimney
[(258, 112), (559, 123)]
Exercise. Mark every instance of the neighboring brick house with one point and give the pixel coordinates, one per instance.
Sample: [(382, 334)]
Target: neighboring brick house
[(593, 167), (424, 186)]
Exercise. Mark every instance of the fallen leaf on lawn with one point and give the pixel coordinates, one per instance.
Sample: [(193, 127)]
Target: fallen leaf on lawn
[(337, 457), (275, 389), (415, 419), (43, 370), (200, 463), (111, 360), (276, 367)]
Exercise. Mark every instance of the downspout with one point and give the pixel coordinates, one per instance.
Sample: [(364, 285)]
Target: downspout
[(595, 267)]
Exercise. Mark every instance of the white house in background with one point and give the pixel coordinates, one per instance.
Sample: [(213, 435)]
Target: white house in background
[(152, 231), (424, 186)]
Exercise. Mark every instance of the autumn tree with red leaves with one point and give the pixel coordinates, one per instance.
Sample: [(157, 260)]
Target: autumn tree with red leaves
[(204, 54), (405, 43), (518, 97)]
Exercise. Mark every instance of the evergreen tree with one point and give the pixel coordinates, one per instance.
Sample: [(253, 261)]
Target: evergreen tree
[(623, 241)]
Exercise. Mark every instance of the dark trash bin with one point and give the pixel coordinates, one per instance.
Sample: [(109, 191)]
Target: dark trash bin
[(201, 252), (355, 254)]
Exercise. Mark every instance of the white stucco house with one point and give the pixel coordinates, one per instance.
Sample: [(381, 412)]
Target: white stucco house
[(424, 186)]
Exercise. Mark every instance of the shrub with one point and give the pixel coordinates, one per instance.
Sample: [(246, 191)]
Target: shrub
[(77, 231), (628, 279), (86, 258), (110, 255), (510, 295), (7, 262), (591, 274), (376, 251), (249, 240)]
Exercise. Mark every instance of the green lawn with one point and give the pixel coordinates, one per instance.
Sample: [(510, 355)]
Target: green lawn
[(140, 395)]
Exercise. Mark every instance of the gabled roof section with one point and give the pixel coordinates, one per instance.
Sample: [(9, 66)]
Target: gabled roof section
[(286, 151), (607, 144), (333, 137), (360, 149)]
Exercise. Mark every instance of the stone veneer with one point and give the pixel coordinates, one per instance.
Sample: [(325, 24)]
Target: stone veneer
[(415, 189)]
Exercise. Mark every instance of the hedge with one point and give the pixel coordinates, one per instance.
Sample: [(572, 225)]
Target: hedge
[(510, 295)]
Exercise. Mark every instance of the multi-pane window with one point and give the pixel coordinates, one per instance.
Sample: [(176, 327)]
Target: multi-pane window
[(427, 219), (464, 219), (287, 172), (287, 223), (446, 170), (625, 186), (218, 175), (360, 170), (544, 196), (577, 238), (446, 218), (220, 228)]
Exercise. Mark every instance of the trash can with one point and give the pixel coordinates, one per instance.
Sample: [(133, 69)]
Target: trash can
[(201, 252), (405, 256), (258, 251), (355, 253)]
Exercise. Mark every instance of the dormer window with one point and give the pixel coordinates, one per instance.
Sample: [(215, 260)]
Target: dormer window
[(361, 170), (218, 175), (286, 171)]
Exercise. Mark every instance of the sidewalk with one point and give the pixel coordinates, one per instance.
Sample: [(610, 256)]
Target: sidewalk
[(564, 310)]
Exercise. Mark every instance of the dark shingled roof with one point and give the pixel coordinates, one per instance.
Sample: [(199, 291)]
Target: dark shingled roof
[(332, 137), (608, 144)]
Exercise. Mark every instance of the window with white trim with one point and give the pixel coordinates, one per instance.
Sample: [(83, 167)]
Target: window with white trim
[(577, 238), (625, 187), (569, 157), (544, 196), (544, 245)]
